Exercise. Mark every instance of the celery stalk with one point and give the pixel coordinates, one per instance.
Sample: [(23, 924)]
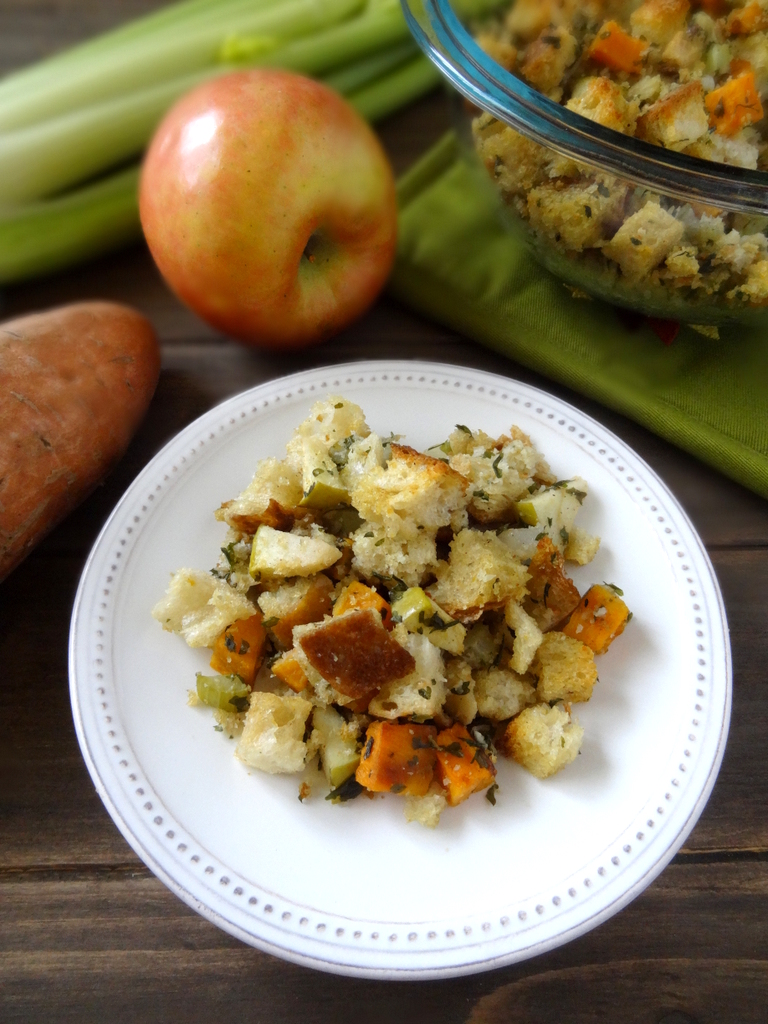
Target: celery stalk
[(367, 70), (407, 83), (154, 59), (44, 237), (47, 236)]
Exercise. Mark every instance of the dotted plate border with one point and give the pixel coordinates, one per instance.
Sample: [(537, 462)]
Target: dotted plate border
[(272, 921)]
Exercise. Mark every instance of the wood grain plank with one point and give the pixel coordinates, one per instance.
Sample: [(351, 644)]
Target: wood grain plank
[(134, 951), (48, 792)]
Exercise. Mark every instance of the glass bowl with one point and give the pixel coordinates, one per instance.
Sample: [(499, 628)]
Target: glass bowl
[(597, 207)]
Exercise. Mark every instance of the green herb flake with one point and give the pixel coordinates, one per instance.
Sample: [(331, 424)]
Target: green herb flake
[(547, 588), (495, 464), (239, 703), (348, 790), (564, 535), (490, 793), (466, 430), (244, 647), (481, 495), (270, 622), (614, 588), (218, 728), (462, 690), (368, 534), (339, 405), (398, 787), (380, 542), (426, 692), (229, 642)]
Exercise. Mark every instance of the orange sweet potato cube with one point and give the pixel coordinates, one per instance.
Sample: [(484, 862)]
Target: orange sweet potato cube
[(599, 618), (311, 608), (358, 595), (614, 48), (463, 768), (289, 671), (239, 650), (397, 758)]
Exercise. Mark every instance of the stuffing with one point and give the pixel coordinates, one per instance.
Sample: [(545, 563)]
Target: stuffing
[(386, 646), (672, 75), (565, 669), (542, 739), (272, 739), (199, 607)]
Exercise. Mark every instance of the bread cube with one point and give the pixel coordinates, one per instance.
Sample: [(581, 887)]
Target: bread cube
[(644, 240), (677, 120), (377, 555), (575, 214), (425, 810), (273, 733), (601, 99), (460, 700), (274, 490), (306, 599), (659, 20), (199, 607), (547, 58), (422, 691), (482, 572), (565, 669), (551, 594), (501, 693), (528, 636), (542, 739)]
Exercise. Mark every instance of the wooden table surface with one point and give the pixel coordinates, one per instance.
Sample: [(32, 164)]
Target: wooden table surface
[(87, 933)]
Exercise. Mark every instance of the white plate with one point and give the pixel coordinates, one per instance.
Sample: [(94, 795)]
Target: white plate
[(354, 889)]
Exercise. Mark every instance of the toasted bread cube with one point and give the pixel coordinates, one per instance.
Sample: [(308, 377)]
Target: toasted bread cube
[(600, 617), (275, 554), (378, 555), (551, 594), (239, 650), (397, 758), (677, 120), (355, 654), (463, 767), (582, 546), (542, 739), (659, 20), (295, 604), (426, 810), (198, 607), (565, 669), (601, 100), (528, 636), (547, 58), (482, 572), (422, 691), (412, 490), (644, 240), (576, 213), (274, 490), (273, 733), (501, 693)]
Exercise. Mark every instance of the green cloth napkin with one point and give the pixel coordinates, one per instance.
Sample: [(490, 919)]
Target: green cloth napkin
[(458, 265)]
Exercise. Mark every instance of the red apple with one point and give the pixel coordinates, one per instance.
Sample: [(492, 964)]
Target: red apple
[(269, 207)]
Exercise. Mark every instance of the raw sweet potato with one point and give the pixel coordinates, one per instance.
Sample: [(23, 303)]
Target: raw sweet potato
[(75, 383)]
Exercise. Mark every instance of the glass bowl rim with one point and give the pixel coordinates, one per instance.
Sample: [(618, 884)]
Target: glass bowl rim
[(438, 31)]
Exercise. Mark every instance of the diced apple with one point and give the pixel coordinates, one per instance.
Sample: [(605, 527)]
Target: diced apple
[(278, 554)]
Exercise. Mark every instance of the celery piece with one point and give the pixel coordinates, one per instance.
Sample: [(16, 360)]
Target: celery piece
[(44, 237), (395, 90), (367, 70), (228, 693), (526, 510), (168, 55)]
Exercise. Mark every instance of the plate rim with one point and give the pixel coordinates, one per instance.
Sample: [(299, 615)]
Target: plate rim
[(380, 368)]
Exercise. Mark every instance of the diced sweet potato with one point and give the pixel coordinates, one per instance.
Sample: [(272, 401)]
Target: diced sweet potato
[(397, 758), (356, 654), (599, 618), (614, 48), (274, 515), (239, 650), (551, 594), (463, 768), (311, 608), (289, 671), (746, 20), (358, 596), (734, 105)]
